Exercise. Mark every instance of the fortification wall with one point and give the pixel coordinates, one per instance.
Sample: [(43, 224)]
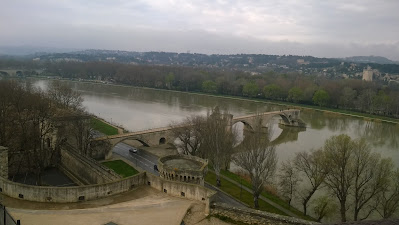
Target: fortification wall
[(69, 194), (86, 169), (179, 189), (251, 216)]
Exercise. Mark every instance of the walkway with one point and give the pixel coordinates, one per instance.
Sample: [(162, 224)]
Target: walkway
[(286, 211), (153, 208)]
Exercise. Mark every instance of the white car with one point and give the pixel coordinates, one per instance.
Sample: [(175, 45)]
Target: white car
[(133, 150)]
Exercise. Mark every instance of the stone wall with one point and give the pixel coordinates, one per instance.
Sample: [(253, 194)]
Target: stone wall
[(179, 189), (4, 162), (195, 176), (86, 169), (251, 216), (69, 194)]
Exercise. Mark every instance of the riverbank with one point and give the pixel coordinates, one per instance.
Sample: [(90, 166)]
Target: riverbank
[(365, 116)]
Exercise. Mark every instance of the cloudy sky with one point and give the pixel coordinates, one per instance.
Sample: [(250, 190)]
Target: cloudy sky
[(323, 28)]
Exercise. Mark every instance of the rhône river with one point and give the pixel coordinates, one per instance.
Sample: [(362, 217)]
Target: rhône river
[(140, 108)]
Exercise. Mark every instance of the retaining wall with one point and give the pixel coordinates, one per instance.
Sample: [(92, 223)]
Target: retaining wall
[(251, 216), (69, 194), (179, 189), (86, 169)]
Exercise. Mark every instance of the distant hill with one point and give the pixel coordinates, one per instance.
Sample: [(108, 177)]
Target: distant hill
[(370, 59), (25, 50)]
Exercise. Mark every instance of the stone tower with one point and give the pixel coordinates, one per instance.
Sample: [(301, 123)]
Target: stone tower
[(368, 74), (4, 162)]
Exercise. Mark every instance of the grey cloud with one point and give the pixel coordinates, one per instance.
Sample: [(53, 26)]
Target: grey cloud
[(310, 27)]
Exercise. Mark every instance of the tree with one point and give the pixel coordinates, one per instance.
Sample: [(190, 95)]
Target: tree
[(321, 97), (189, 135), (295, 94), (371, 176), (338, 151), (209, 86), (250, 89), (169, 79), (387, 202), (310, 166), (347, 98), (366, 100), (323, 207), (272, 91), (218, 140), (288, 181), (64, 96), (258, 158)]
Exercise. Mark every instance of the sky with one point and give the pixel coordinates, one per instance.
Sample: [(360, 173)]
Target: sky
[(321, 28)]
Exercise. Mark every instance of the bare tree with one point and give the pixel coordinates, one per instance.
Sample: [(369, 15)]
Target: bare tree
[(258, 158), (64, 96), (371, 177), (387, 202), (288, 180), (189, 135), (338, 151), (218, 140), (323, 207), (310, 165), (82, 132)]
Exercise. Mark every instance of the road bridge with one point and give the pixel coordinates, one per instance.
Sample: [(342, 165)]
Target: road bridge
[(164, 135)]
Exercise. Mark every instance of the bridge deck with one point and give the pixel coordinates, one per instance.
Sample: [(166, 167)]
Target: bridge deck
[(265, 113), (134, 133), (169, 128)]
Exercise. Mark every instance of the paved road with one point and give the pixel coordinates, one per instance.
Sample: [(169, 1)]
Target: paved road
[(141, 158), (146, 161)]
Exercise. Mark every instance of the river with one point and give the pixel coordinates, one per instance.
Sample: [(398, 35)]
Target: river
[(141, 108)]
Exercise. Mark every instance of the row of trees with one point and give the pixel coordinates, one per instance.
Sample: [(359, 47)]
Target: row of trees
[(35, 124), (351, 94), (213, 138), (345, 169)]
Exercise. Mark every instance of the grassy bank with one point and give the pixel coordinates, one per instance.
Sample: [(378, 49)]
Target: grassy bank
[(241, 195), (265, 194), (121, 168), (102, 127)]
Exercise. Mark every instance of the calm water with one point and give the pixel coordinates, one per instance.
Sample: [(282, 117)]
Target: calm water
[(139, 109)]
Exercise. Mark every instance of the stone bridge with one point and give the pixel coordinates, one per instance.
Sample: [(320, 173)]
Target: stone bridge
[(289, 117), (164, 135)]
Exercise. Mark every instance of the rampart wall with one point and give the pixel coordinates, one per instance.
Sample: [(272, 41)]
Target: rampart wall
[(86, 169), (91, 192), (179, 189), (69, 194), (251, 216)]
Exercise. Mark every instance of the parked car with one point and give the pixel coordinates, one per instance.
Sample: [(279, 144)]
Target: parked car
[(133, 150)]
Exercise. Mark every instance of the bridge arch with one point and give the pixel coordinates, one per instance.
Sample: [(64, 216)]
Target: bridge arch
[(286, 119), (162, 140), (246, 124), (132, 138)]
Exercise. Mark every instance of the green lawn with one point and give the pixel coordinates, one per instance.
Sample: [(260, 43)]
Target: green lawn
[(102, 127), (265, 194), (243, 195), (121, 168)]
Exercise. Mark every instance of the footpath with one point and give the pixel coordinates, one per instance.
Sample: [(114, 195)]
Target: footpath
[(286, 211)]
